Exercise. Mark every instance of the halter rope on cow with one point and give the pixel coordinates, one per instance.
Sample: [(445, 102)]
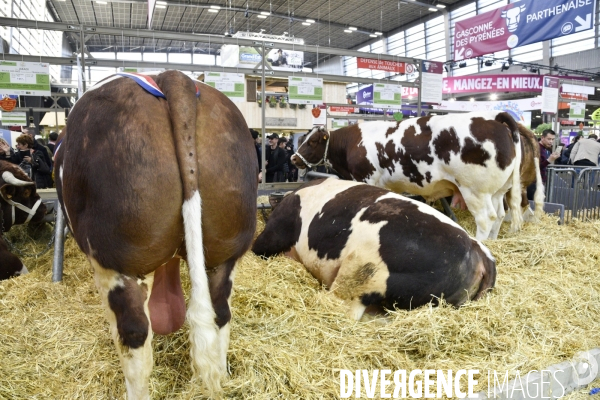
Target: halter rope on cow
[(323, 161)]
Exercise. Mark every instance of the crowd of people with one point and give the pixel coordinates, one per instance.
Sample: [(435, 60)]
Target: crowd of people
[(278, 151), (582, 151), (33, 156)]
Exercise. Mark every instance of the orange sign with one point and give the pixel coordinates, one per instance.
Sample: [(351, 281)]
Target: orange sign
[(341, 109), (316, 112), (8, 104)]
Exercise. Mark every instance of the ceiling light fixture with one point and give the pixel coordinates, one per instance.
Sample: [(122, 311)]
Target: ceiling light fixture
[(432, 9), (212, 10), (162, 3), (352, 28), (347, 31), (157, 6), (493, 96), (378, 33), (440, 6), (215, 7), (311, 21), (373, 35), (265, 13), (262, 16), (306, 23), (101, 2)]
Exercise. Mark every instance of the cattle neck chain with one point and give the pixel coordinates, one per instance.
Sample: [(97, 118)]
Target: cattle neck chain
[(14, 249)]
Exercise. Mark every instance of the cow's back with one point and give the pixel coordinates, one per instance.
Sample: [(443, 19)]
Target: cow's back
[(122, 186)]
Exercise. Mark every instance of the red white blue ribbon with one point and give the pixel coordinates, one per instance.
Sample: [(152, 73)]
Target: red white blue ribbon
[(145, 82), (148, 84)]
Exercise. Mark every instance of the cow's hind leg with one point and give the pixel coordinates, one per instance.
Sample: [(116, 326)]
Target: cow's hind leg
[(125, 301), (220, 281), (498, 203)]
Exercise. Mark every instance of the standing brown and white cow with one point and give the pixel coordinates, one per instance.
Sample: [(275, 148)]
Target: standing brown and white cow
[(476, 155), (375, 248), (144, 181), (19, 204)]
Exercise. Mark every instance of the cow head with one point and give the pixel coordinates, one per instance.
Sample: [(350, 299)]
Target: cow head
[(513, 16), (19, 201), (313, 150)]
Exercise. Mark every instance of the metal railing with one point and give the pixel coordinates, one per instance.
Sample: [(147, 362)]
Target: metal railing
[(577, 189)]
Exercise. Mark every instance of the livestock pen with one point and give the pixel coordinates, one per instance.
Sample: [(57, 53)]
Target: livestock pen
[(290, 338)]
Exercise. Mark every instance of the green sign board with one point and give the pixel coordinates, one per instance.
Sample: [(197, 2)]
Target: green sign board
[(305, 90), (24, 78), (387, 95), (339, 123), (576, 110), (14, 118), (232, 85)]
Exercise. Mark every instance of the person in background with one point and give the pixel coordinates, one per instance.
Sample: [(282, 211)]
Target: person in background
[(283, 175), (34, 160), (293, 170), (586, 152), (275, 158), (547, 157), (6, 152), (52, 137), (46, 153), (564, 158)]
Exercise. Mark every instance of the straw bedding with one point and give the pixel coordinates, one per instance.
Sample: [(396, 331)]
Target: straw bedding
[(290, 338)]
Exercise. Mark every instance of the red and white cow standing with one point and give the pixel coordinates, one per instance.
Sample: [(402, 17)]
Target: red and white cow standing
[(476, 155), (145, 181)]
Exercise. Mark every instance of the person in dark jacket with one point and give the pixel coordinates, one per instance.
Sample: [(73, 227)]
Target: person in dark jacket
[(566, 154), (52, 138), (33, 163), (275, 158), (46, 153)]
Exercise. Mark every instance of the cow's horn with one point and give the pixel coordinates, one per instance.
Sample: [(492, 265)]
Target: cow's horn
[(10, 178)]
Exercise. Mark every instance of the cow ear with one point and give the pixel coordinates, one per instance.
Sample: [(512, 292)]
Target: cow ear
[(7, 191), (325, 135)]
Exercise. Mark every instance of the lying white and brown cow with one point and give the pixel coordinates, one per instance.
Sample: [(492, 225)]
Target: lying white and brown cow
[(373, 247), (152, 169), (19, 204), (476, 155)]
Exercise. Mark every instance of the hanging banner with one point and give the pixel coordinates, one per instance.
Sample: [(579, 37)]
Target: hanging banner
[(431, 74), (231, 85), (305, 90), (519, 24), (383, 65), (499, 83), (14, 118), (516, 108), (385, 95), (342, 109), (550, 95), (576, 110), (24, 78)]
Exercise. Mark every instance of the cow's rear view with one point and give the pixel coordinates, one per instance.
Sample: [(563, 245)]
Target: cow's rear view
[(143, 172)]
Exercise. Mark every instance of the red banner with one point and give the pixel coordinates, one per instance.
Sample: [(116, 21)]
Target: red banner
[(383, 65), (341, 109)]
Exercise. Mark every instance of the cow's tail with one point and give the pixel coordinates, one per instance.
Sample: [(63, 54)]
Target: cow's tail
[(539, 197), (180, 92), (515, 191)]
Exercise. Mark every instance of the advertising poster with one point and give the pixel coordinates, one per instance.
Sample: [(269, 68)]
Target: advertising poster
[(24, 78), (231, 85), (385, 95), (305, 90), (576, 110), (431, 73), (13, 118), (550, 95), (519, 24), (249, 57)]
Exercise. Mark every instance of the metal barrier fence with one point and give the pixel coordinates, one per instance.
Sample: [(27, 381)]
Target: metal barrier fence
[(577, 189)]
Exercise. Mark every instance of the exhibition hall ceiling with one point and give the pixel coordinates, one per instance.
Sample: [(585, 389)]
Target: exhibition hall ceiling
[(331, 18)]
